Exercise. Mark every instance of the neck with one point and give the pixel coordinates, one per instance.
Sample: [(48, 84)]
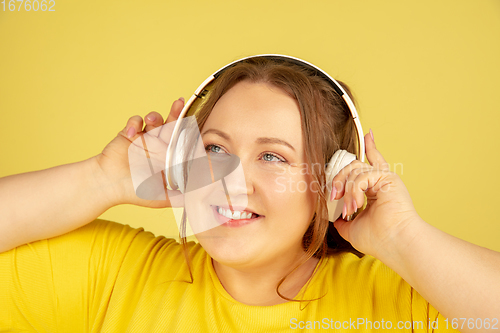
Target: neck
[(257, 286)]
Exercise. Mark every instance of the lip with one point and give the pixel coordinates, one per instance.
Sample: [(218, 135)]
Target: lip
[(227, 222)]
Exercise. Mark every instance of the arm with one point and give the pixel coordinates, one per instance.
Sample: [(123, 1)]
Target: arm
[(459, 279), (47, 203)]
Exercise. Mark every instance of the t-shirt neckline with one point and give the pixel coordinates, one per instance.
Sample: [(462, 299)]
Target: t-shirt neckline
[(306, 292)]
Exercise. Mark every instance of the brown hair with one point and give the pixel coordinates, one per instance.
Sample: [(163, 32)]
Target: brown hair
[(326, 126)]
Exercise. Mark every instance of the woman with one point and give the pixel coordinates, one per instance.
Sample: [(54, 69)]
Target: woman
[(285, 268)]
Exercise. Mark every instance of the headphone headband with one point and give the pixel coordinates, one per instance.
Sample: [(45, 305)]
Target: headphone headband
[(201, 91)]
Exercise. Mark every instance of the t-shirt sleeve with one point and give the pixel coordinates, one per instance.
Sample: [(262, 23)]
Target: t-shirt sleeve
[(424, 312), (392, 294), (419, 314), (63, 284)]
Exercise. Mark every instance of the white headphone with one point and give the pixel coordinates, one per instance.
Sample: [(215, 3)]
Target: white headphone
[(341, 158)]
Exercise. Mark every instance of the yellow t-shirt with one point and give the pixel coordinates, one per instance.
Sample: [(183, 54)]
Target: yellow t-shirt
[(109, 277)]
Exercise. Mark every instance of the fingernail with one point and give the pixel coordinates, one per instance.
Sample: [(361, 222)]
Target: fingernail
[(354, 206), (181, 99), (371, 133), (334, 193), (151, 117), (344, 211), (131, 132)]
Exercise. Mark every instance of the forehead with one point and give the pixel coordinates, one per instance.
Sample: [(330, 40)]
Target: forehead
[(257, 109)]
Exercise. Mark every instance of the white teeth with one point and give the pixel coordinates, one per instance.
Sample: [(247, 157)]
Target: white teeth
[(236, 215)]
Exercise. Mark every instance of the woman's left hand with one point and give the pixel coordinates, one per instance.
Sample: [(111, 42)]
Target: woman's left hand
[(389, 208)]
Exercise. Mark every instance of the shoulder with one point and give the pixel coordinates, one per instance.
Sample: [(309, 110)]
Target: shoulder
[(367, 273), (371, 280), (349, 263), (121, 253), (108, 243), (135, 240)]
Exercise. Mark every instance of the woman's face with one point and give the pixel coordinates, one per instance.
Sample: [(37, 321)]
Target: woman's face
[(261, 125)]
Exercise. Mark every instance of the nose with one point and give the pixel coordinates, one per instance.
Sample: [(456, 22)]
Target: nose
[(236, 184), (225, 172)]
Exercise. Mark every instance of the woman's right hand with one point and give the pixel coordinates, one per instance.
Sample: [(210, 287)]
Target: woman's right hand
[(114, 159)]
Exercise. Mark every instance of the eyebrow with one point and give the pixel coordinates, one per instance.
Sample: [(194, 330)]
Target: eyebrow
[(261, 140)]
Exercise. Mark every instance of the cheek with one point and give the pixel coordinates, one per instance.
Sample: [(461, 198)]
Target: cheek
[(289, 181), (197, 205), (291, 189)]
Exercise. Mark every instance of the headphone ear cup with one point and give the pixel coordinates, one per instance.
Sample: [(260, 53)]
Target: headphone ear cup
[(339, 160), (177, 162)]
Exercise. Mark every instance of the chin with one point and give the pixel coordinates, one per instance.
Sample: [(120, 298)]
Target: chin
[(230, 251)]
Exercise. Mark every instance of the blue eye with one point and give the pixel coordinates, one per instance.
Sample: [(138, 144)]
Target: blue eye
[(212, 149), (271, 156), (266, 157)]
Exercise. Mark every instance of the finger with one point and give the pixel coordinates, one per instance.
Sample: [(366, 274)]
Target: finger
[(351, 203), (134, 126), (165, 131), (175, 110), (338, 181), (153, 120), (369, 183), (373, 155)]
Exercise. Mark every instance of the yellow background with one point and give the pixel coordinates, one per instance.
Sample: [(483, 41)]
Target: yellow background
[(426, 75)]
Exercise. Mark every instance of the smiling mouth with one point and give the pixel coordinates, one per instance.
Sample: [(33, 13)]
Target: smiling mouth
[(237, 219)]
